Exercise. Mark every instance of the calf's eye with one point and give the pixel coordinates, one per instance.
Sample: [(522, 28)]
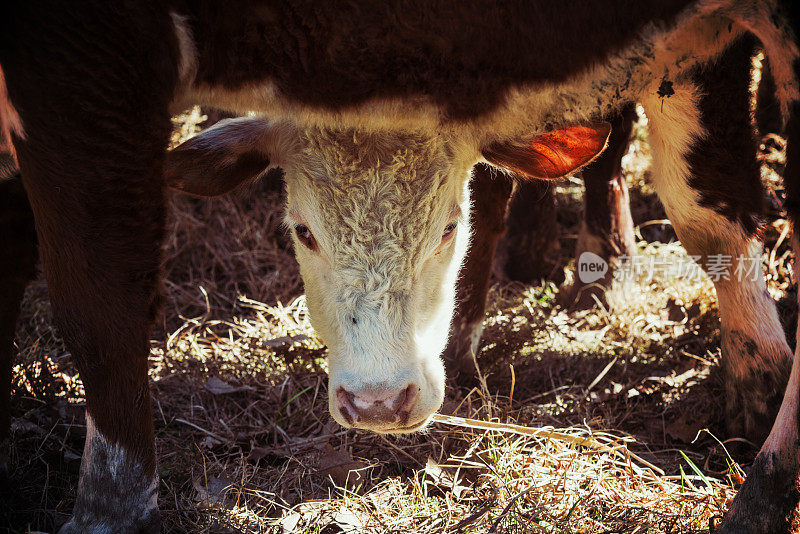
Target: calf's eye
[(305, 236), (449, 230)]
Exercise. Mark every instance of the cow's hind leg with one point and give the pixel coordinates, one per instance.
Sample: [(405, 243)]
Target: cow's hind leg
[(490, 193), (769, 496), (528, 251), (706, 174), (95, 131), (607, 227), (770, 493)]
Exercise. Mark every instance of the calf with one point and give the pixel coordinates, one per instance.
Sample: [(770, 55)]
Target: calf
[(378, 112)]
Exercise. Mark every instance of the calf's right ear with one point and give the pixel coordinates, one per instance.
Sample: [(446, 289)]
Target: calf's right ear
[(551, 155), (228, 154)]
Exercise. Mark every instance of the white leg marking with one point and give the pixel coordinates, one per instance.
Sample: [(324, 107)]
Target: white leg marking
[(476, 331), (755, 355), (114, 494), (744, 303)]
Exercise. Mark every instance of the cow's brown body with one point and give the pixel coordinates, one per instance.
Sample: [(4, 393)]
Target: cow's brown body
[(89, 94), (461, 55)]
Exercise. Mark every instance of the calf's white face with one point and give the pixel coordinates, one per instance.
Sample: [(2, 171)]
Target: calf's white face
[(380, 226), (380, 229)]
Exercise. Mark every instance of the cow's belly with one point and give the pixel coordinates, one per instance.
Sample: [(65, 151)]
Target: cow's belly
[(654, 62)]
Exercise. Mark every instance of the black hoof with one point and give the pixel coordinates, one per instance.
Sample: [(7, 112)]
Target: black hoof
[(766, 501)]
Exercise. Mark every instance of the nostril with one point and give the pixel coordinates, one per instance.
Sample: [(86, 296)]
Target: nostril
[(407, 400), (400, 401), (345, 401)]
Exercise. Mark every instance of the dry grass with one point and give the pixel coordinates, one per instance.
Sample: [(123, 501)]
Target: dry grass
[(601, 421)]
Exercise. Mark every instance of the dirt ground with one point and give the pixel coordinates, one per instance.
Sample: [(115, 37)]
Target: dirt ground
[(607, 420)]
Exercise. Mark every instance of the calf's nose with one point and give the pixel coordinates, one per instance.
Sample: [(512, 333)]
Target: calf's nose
[(377, 406)]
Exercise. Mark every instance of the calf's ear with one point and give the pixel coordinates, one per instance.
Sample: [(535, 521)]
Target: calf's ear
[(551, 154), (228, 154)]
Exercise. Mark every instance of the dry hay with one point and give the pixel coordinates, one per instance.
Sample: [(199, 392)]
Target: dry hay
[(600, 421)]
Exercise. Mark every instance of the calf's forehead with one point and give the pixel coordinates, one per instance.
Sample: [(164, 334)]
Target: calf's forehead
[(372, 188)]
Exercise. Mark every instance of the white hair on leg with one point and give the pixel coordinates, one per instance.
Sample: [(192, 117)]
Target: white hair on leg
[(755, 354), (112, 483)]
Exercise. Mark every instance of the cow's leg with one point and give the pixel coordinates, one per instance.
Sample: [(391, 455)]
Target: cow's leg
[(770, 494), (706, 174), (607, 227), (490, 193), (91, 156), (17, 268), (100, 223), (100, 228), (532, 232)]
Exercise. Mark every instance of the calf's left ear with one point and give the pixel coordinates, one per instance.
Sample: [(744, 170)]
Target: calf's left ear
[(551, 154), (230, 153)]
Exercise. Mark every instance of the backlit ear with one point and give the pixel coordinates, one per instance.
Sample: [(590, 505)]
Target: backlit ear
[(551, 154), (228, 154)]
